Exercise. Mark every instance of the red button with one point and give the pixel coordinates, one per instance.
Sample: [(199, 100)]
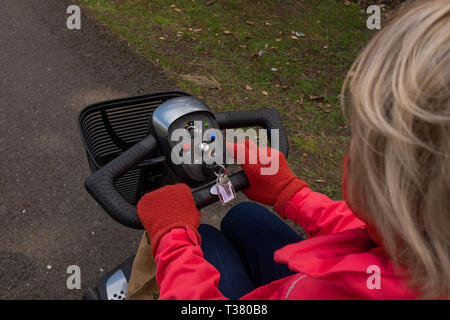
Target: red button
[(186, 146)]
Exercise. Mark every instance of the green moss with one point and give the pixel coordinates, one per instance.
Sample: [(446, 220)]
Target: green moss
[(306, 144)]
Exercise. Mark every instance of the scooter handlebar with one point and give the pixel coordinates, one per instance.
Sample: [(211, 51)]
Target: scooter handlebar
[(101, 183)]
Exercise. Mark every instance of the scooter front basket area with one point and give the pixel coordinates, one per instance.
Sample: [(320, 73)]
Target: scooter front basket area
[(111, 127)]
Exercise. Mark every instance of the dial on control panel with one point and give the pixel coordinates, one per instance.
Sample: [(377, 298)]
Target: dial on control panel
[(197, 144)]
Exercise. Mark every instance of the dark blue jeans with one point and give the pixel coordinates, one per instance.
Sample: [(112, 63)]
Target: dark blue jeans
[(243, 250)]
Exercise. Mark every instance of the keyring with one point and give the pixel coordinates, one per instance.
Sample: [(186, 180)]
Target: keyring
[(220, 166)]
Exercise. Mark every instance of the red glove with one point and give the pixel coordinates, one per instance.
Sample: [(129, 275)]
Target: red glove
[(167, 208), (274, 190)]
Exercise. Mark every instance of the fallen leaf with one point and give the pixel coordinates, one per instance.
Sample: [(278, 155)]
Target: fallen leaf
[(346, 3), (320, 180), (173, 5), (264, 93), (316, 97), (250, 22), (202, 81), (305, 155), (268, 24), (301, 98), (227, 32), (177, 10), (294, 37), (278, 39), (247, 87), (197, 29)]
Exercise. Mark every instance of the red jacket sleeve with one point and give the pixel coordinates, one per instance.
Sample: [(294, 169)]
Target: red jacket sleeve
[(182, 273), (320, 215)]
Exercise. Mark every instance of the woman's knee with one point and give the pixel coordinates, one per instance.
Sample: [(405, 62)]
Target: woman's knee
[(208, 231), (242, 213)]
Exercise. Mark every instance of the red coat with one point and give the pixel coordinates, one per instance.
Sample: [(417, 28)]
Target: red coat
[(338, 261)]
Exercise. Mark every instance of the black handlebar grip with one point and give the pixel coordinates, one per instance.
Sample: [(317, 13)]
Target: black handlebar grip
[(266, 118), (101, 183)]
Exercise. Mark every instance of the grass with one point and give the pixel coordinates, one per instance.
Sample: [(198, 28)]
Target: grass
[(301, 76)]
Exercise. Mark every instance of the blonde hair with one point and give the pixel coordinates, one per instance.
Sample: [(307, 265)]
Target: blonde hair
[(398, 106)]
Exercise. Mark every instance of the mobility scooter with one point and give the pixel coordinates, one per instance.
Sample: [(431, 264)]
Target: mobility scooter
[(128, 147)]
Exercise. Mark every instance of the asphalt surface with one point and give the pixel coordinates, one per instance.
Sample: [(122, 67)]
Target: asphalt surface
[(47, 75)]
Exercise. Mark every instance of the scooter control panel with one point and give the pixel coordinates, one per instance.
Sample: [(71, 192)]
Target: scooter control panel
[(196, 145), (190, 138)]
